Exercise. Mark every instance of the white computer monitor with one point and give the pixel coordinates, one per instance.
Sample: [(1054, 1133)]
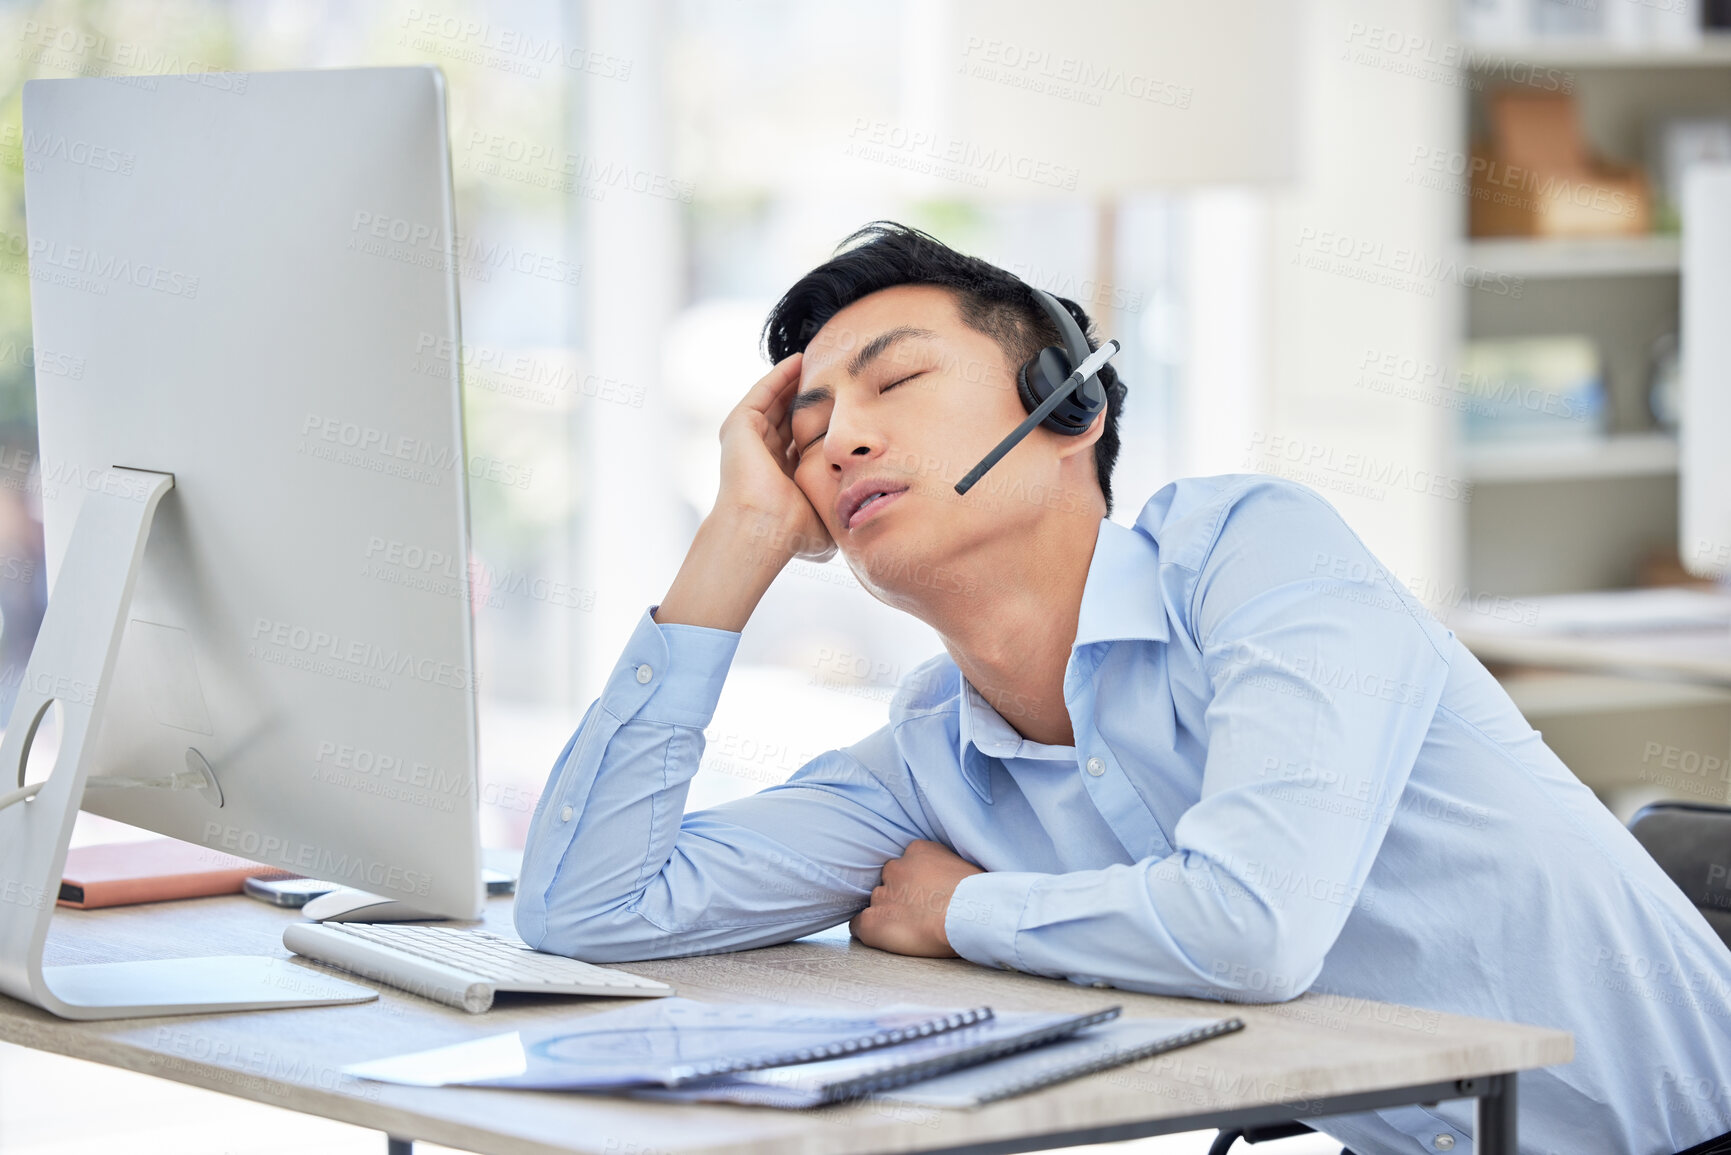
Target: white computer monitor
[(1704, 525), (250, 270)]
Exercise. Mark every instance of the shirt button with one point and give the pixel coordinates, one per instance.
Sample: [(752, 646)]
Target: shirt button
[(644, 673), (565, 814), (1096, 766), (1443, 1142)]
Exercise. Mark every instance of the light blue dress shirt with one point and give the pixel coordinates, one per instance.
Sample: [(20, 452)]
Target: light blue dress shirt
[(1287, 777)]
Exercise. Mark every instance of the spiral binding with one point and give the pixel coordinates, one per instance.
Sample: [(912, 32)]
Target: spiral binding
[(884, 1038), (914, 1072), (1108, 1061)]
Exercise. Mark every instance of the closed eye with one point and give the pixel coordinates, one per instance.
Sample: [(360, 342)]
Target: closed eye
[(881, 392)]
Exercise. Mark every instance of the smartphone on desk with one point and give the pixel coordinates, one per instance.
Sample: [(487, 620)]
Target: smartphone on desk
[(291, 892), (297, 892)]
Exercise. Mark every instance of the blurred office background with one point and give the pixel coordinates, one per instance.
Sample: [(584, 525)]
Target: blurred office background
[(1310, 222), (1311, 225), (638, 182)]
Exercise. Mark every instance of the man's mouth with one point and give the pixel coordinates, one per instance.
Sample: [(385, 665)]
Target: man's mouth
[(865, 500), (871, 503)]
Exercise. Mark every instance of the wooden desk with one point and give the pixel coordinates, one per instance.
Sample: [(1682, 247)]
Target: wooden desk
[(1685, 655), (1500, 633), (1601, 700), (1312, 1057)]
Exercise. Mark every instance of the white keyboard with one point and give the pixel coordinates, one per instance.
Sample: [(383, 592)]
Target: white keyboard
[(460, 967)]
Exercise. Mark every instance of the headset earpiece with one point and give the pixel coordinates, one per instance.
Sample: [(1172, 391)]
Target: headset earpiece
[(1040, 374), (1046, 371)]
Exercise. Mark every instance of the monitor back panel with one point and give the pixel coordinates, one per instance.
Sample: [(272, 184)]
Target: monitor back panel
[(246, 281)]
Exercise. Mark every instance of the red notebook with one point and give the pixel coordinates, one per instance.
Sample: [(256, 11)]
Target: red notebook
[(155, 870)]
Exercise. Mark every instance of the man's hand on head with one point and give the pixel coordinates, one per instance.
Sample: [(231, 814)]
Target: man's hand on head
[(906, 915)]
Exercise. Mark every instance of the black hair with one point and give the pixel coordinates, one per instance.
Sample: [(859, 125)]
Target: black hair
[(989, 300)]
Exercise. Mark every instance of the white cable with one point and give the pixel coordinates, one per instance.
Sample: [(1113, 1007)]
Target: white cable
[(185, 780), (20, 794)]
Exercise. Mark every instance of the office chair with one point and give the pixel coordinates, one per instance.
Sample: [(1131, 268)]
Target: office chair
[(1691, 842), (1225, 1139)]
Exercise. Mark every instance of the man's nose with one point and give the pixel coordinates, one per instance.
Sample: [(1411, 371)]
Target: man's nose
[(852, 434)]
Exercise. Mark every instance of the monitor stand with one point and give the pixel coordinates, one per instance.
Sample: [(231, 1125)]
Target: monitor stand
[(73, 663)]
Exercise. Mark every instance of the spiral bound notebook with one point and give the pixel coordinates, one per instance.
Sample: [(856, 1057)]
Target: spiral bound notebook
[(1096, 1049), (666, 1043), (814, 1084)]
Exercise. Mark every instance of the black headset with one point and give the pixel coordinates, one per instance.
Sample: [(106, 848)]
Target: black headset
[(1060, 388)]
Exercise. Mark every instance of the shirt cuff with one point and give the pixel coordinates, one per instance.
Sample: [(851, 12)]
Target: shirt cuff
[(671, 674), (984, 914)]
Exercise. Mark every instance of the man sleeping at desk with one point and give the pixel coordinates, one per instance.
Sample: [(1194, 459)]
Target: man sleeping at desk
[(1221, 754)]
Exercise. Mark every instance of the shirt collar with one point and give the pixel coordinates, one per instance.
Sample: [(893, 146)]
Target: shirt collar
[(1120, 601), (1121, 598), (985, 728), (976, 763)]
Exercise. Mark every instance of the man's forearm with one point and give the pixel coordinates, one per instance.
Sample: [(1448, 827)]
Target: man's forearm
[(615, 870), (729, 567), (613, 801)]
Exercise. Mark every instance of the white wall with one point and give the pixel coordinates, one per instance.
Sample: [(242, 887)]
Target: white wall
[(1357, 260)]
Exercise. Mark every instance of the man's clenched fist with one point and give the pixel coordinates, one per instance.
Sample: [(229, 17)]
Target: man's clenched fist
[(907, 911)]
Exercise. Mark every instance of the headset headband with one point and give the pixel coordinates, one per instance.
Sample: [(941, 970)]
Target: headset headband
[(1075, 342)]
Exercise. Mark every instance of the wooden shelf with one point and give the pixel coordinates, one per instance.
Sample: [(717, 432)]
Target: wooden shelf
[(1625, 455), (1549, 694), (1586, 257), (1713, 50), (1528, 531)]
